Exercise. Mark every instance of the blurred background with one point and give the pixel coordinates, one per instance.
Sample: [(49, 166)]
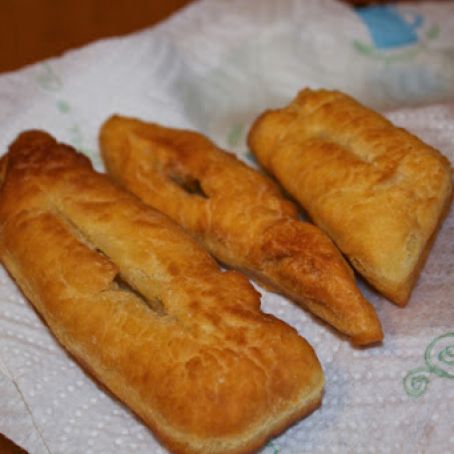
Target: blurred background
[(31, 30)]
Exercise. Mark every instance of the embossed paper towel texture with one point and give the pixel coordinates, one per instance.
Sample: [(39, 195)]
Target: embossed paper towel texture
[(214, 67)]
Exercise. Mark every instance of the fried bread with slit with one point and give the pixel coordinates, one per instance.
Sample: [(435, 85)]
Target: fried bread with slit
[(145, 309), (378, 191), (240, 216)]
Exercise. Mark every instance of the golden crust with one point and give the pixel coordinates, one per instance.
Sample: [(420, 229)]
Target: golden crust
[(146, 310), (378, 191), (240, 216)]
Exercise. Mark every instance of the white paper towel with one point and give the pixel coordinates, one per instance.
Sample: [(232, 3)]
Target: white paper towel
[(214, 67)]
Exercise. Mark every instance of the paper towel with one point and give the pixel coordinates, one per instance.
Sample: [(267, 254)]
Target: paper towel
[(214, 67)]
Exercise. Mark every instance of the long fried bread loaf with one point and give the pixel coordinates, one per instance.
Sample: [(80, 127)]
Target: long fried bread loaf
[(145, 309), (378, 191), (240, 216)]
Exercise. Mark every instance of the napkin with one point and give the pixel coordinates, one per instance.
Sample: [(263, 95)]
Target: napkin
[(214, 67)]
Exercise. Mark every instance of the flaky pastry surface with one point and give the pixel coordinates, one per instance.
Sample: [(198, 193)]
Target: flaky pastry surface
[(378, 191), (240, 216), (146, 310)]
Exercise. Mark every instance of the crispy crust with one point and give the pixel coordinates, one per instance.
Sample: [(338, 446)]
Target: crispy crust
[(146, 310), (240, 216), (378, 191)]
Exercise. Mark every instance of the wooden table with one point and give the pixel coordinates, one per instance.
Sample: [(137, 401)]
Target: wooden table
[(8, 447), (32, 30)]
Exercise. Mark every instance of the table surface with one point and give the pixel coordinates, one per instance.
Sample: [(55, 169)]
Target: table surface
[(33, 30)]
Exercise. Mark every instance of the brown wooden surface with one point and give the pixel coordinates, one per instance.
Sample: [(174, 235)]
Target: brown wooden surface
[(31, 30), (8, 447)]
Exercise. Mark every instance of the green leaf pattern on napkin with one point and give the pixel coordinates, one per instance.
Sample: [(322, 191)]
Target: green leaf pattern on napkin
[(439, 359), (51, 82), (48, 79)]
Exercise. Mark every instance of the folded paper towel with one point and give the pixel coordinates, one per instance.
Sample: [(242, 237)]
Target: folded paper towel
[(214, 67)]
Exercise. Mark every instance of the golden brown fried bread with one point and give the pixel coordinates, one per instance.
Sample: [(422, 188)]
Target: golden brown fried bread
[(240, 216), (146, 310), (377, 190)]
